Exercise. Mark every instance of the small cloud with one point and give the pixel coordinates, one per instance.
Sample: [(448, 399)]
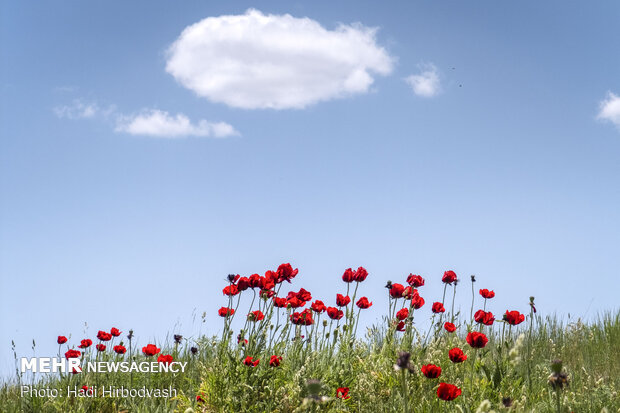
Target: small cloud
[(425, 84), (149, 122), (258, 61), (609, 109), (161, 124), (77, 110)]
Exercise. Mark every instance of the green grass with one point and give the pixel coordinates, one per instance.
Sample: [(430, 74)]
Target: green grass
[(513, 367)]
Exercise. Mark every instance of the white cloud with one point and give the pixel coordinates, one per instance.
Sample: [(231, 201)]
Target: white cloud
[(161, 124), (425, 84), (610, 109), (261, 61), (149, 122), (77, 110)]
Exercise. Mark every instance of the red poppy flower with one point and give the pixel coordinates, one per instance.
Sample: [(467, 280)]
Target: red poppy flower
[(448, 392), (415, 281), (295, 302), (254, 281), (199, 398), (416, 300), (61, 340), (479, 316), (100, 347), (334, 313), (304, 295), (318, 306), (456, 355), (360, 275), (225, 311), (85, 343), (476, 339), (272, 276), (450, 328), (487, 294), (279, 302), (342, 300), (400, 326), (103, 336), (402, 314), (304, 318), (72, 354), (348, 275), (249, 361), (243, 284), (286, 273), (256, 315), (150, 350), (241, 340), (119, 349), (87, 390), (267, 283), (164, 359), (274, 361), (396, 291), (448, 277), (514, 317), (231, 290), (484, 317), (343, 393), (438, 308), (431, 371), (408, 292), (266, 293), (363, 303)]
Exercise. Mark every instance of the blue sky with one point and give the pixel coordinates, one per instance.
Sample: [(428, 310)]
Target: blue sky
[(120, 208)]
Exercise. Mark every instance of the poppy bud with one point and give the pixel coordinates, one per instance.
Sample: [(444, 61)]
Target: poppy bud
[(559, 379), (402, 362)]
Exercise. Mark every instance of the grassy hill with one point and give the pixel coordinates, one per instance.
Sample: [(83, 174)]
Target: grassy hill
[(289, 359)]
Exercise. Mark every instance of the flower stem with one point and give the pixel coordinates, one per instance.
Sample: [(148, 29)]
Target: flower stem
[(473, 296), (403, 379)]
